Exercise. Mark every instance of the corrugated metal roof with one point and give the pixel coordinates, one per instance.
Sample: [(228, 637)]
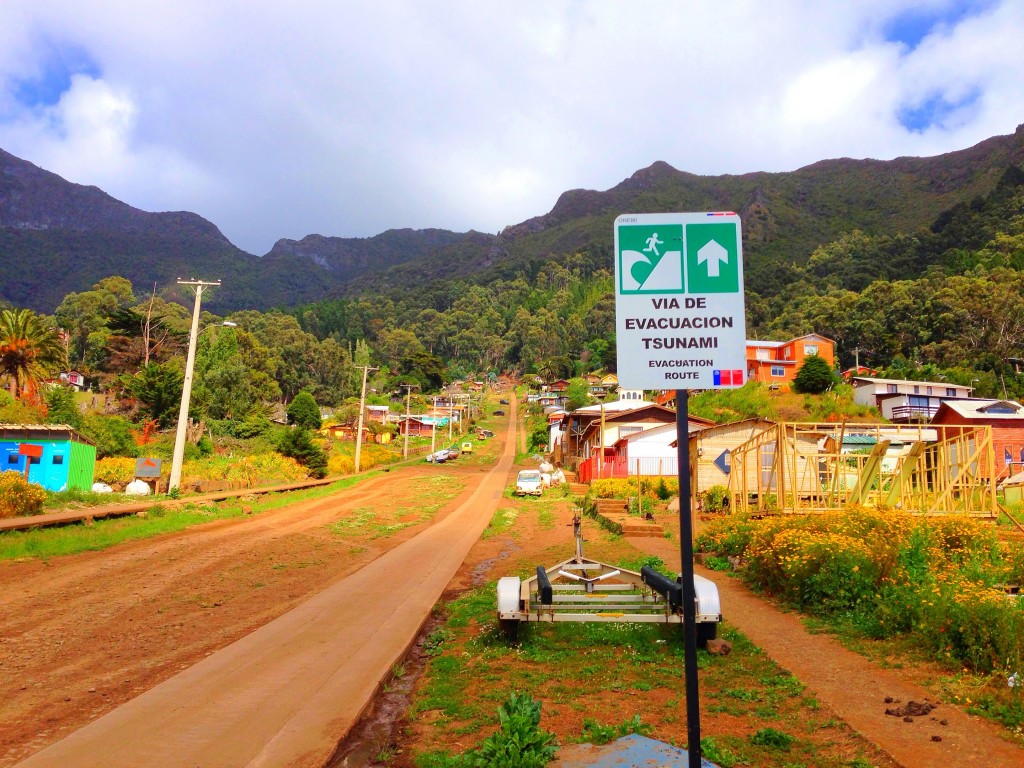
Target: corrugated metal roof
[(15, 432)]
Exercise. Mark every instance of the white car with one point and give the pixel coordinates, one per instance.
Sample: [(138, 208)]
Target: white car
[(439, 457), (529, 483)]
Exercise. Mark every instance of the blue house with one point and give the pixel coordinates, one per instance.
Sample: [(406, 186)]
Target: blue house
[(57, 456)]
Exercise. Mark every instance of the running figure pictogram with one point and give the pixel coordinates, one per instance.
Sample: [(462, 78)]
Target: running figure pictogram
[(652, 244)]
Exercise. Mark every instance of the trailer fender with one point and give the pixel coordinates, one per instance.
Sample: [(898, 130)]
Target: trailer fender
[(508, 597), (708, 601)]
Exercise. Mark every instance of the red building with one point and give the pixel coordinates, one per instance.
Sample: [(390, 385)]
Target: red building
[(1006, 417)]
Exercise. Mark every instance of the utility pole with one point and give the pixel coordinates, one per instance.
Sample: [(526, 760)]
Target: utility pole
[(408, 397), (186, 389), (362, 407)]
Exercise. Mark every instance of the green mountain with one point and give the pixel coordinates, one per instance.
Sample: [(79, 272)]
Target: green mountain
[(786, 216), (57, 237)]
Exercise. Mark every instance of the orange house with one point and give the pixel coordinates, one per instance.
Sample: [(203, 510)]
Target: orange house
[(776, 362)]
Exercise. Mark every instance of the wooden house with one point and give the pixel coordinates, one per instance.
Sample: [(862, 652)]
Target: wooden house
[(776, 363), (711, 451)]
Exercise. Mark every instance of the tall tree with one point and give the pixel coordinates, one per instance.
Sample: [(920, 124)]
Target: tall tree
[(30, 350)]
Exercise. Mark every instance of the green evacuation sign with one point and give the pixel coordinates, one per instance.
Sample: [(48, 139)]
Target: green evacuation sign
[(679, 301)]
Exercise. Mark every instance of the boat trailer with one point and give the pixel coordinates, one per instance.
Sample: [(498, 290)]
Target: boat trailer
[(581, 589)]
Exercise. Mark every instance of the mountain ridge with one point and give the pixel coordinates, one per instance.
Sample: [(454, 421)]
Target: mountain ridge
[(72, 235)]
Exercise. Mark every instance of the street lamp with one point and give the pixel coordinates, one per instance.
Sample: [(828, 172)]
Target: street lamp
[(186, 388)]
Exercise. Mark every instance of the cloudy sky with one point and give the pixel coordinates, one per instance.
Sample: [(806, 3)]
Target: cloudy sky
[(275, 119)]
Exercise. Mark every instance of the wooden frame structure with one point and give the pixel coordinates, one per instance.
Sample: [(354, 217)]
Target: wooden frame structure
[(807, 468)]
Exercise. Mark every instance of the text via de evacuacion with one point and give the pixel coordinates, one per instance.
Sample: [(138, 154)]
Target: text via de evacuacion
[(678, 323)]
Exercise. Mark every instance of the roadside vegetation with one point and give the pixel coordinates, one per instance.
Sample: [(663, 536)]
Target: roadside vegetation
[(597, 682), (161, 518), (943, 587)]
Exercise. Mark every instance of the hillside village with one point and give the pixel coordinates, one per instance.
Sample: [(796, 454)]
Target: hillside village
[(872, 455)]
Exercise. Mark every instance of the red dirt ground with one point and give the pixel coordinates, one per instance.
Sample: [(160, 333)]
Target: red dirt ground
[(80, 635)]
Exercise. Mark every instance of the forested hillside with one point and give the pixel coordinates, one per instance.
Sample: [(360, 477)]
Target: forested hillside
[(950, 296), (57, 237)]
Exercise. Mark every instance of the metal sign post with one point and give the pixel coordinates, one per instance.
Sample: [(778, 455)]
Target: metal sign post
[(689, 593), (680, 322)]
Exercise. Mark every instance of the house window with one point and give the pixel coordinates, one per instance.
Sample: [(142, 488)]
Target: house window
[(1007, 456), (778, 371), (917, 389), (788, 353), (928, 390), (810, 349), (623, 431), (761, 354), (12, 458), (950, 392), (890, 388), (58, 458)]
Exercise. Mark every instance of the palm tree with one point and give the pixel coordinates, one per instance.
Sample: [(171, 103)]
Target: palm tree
[(30, 350)]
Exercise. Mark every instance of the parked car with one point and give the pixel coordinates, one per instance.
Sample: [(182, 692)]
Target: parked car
[(528, 483), (499, 413), (438, 457), (503, 402), (453, 451), (483, 434), (467, 447)]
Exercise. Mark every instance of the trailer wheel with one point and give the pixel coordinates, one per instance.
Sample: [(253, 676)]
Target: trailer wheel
[(509, 630), (706, 630)]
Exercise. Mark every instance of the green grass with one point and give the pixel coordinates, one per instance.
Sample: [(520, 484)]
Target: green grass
[(81, 537), (583, 666), (502, 521), (432, 495), (161, 518)]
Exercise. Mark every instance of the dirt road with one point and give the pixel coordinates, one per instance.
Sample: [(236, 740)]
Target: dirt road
[(281, 695)]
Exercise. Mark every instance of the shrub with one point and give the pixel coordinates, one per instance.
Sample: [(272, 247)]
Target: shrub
[(814, 376), (519, 742), (249, 470), (303, 411), (934, 579), (298, 444), (770, 737), (111, 434), (18, 496), (117, 469), (716, 498), (612, 488), (623, 488)]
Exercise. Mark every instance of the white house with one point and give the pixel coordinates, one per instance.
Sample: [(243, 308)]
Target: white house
[(903, 401), (653, 452)]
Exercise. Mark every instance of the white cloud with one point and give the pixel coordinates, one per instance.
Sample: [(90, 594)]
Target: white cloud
[(277, 120)]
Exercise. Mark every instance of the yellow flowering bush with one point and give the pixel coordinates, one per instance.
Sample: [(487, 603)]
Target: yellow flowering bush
[(938, 579), (114, 469), (18, 496), (621, 487), (340, 464), (248, 470)]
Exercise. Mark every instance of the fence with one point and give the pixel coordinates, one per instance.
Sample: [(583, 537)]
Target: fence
[(621, 467)]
